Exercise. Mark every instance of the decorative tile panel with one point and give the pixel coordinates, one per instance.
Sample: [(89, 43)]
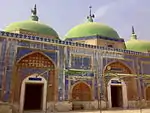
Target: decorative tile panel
[(24, 72), (24, 51), (81, 62)]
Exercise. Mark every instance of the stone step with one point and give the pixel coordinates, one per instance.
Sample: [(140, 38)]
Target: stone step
[(34, 112)]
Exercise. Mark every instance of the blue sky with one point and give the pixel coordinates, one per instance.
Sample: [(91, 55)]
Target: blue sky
[(62, 15)]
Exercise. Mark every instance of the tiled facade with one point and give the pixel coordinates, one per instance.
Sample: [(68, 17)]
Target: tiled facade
[(72, 64)]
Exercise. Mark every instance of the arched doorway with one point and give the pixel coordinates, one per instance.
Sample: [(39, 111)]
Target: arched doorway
[(33, 93), (117, 92), (81, 92), (28, 65)]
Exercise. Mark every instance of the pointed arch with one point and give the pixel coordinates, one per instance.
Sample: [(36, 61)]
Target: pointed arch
[(119, 64), (81, 91), (119, 67), (35, 59)]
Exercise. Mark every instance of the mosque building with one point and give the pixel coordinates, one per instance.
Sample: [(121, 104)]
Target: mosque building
[(93, 68)]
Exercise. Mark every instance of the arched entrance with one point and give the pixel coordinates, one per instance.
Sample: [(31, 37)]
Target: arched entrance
[(81, 92), (117, 93), (27, 86), (33, 93)]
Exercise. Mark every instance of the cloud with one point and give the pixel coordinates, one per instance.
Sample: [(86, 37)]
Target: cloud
[(101, 11)]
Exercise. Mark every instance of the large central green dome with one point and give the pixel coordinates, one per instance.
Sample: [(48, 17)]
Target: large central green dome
[(90, 29), (32, 25)]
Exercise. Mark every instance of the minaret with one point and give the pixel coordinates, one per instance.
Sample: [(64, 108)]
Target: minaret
[(34, 16), (91, 16), (133, 36)]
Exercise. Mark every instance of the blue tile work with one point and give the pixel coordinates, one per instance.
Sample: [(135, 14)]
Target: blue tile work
[(73, 82), (37, 45), (98, 73), (96, 89), (66, 87), (9, 63), (126, 56), (67, 43), (79, 62), (24, 72), (23, 51), (49, 44), (67, 60), (61, 82), (80, 58), (144, 66), (144, 59), (96, 37), (2, 57), (145, 69)]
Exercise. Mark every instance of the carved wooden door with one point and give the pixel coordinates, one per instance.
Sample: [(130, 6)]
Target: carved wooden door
[(81, 92)]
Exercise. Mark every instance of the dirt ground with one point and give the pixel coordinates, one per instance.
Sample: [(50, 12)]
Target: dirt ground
[(114, 111)]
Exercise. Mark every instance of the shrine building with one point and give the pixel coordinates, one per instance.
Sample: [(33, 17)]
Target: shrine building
[(93, 68)]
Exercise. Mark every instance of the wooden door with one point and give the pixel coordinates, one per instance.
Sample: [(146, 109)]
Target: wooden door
[(81, 92)]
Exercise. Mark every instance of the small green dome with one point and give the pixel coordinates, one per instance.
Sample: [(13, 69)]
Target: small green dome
[(137, 45), (90, 29), (32, 26)]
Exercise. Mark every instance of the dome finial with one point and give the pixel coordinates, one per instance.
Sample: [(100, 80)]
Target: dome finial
[(34, 16), (133, 30), (91, 16), (34, 11), (133, 36)]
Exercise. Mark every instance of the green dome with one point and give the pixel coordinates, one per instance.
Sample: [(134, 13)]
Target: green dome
[(137, 45), (32, 26), (91, 29)]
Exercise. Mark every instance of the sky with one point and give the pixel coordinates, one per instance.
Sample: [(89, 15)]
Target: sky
[(62, 15)]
